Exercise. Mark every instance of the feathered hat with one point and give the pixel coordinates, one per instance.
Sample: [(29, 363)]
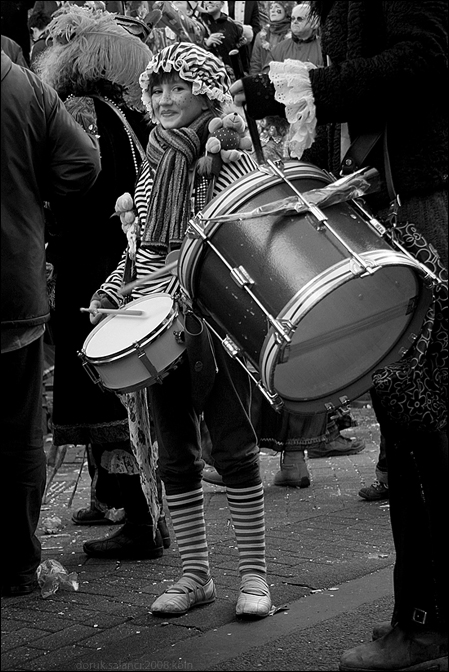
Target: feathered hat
[(93, 47)]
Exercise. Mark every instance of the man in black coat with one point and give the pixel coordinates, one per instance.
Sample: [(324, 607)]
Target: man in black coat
[(51, 156)]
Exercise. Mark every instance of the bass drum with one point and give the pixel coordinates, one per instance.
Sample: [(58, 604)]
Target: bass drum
[(255, 275)]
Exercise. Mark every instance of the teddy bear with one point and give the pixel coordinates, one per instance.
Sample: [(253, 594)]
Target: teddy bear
[(225, 144)]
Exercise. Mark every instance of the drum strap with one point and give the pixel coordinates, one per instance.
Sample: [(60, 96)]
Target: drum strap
[(358, 152)]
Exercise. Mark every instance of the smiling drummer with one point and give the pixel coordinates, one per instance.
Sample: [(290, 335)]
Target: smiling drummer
[(184, 88)]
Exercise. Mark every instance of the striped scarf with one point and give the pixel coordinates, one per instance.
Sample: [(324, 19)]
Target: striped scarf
[(171, 153)]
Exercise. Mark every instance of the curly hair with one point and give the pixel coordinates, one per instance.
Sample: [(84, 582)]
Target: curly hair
[(91, 53)]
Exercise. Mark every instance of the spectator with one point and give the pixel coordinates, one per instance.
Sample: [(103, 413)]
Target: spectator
[(48, 7), (247, 15), (224, 34), (14, 24), (37, 23), (277, 29), (50, 157), (379, 489), (303, 43)]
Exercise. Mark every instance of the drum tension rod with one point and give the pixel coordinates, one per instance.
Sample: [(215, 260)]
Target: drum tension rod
[(234, 351), (324, 223)]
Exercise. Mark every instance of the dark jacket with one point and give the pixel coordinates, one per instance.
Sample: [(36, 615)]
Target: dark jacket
[(232, 35), (389, 65), (44, 154), (88, 249)]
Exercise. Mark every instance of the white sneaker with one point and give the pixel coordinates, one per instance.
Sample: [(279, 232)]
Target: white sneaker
[(254, 598)]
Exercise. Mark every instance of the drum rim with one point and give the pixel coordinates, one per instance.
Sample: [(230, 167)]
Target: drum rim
[(271, 349), (168, 321)]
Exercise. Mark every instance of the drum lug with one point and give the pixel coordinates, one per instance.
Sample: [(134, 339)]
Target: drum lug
[(274, 399), (142, 355), (196, 228), (283, 337), (179, 337), (329, 406), (241, 277), (359, 267)]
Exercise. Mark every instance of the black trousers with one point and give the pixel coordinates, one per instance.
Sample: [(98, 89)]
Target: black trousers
[(23, 462), (417, 480)]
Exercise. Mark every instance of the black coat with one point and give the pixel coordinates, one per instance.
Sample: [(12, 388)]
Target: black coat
[(87, 252), (45, 154)]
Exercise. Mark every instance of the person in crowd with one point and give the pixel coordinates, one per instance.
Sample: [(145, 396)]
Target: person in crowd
[(14, 51), (49, 7), (50, 157), (264, 12), (276, 30), (378, 490), (247, 15), (95, 72), (184, 88), (303, 44), (37, 23), (224, 34), (379, 56), (14, 24)]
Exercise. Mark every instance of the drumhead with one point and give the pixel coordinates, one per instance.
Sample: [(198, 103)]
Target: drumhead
[(342, 335), (117, 333)]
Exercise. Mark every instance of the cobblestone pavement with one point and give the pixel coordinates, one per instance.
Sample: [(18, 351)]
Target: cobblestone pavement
[(318, 538)]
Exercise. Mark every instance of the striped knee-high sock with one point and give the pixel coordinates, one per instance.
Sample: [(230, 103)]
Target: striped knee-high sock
[(247, 513), (187, 515)]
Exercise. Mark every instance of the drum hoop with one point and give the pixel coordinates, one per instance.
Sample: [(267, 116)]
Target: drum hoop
[(310, 295), (143, 342), (241, 189)]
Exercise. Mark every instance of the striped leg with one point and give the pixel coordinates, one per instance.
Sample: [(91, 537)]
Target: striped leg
[(247, 512), (195, 587)]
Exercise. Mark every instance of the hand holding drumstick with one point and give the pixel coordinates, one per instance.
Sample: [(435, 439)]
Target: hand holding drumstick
[(97, 313)]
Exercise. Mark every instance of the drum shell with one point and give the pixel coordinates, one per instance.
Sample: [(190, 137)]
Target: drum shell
[(283, 255)]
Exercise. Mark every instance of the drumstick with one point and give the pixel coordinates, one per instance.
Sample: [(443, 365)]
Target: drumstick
[(112, 311), (126, 289)]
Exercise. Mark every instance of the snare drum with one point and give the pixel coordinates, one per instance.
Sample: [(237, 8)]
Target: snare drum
[(293, 298), (126, 353)]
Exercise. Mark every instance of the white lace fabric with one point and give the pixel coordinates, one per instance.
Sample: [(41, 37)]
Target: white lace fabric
[(294, 90)]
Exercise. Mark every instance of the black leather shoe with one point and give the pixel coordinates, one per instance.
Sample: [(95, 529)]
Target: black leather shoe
[(19, 589), (129, 542)]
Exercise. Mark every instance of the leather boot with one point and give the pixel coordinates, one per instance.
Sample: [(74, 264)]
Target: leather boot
[(400, 649), (133, 541), (293, 470), (382, 629)]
